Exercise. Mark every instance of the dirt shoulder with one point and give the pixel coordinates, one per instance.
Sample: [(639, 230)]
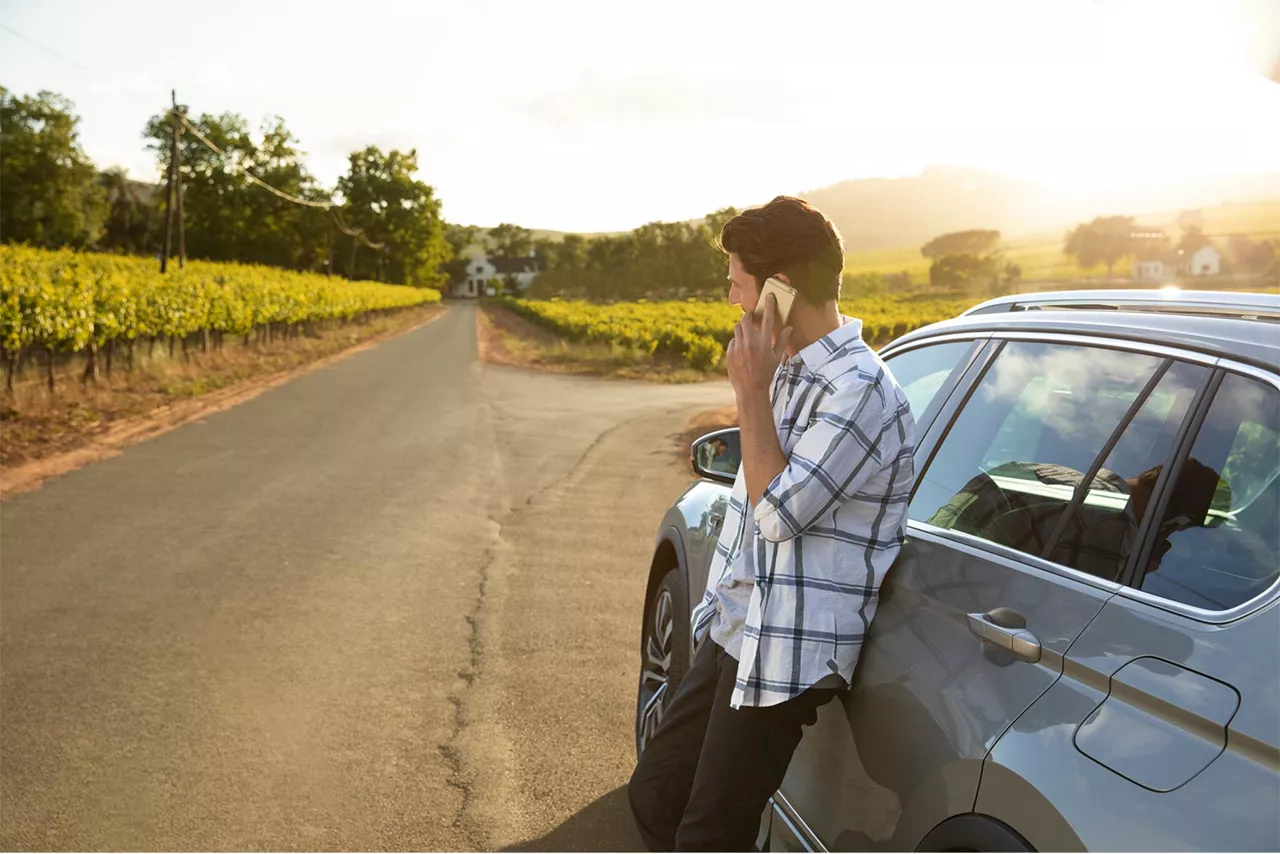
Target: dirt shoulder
[(506, 338), (43, 436)]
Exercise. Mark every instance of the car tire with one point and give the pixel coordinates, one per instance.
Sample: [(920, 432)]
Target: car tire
[(664, 654)]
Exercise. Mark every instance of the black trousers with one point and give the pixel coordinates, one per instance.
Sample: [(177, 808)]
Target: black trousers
[(705, 776)]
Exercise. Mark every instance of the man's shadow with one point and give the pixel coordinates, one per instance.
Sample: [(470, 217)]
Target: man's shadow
[(605, 824)]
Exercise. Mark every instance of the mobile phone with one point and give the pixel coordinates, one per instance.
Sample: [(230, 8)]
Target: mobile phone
[(785, 295)]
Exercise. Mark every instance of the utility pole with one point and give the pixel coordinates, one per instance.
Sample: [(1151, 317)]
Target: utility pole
[(168, 191), (177, 154), (328, 263)]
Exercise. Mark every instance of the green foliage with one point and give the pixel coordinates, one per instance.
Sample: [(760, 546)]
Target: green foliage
[(228, 218), (135, 215), (973, 242), (658, 260), (1193, 240), (696, 333), (1246, 256), (459, 237), (1105, 240), (511, 241), (50, 194), (63, 300), (383, 198)]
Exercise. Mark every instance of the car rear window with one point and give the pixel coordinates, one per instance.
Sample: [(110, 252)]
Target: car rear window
[(1218, 541)]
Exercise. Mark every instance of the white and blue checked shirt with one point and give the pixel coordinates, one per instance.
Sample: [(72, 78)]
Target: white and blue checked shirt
[(828, 527)]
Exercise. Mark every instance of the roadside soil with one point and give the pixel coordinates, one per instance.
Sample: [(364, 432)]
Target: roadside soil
[(43, 435)]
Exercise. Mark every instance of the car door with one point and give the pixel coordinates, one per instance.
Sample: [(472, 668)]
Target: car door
[(1164, 732), (975, 617)]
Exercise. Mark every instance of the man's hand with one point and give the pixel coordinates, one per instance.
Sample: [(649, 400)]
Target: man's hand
[(752, 359), (752, 356)]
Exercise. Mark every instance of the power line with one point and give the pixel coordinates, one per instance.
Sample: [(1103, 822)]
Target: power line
[(327, 205), (47, 50), (246, 173), (352, 232)]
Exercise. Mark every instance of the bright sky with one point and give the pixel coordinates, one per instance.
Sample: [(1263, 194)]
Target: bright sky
[(595, 116)]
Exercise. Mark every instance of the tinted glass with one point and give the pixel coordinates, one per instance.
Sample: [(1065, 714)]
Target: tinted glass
[(924, 370), (1102, 529), (1025, 439), (1218, 543)]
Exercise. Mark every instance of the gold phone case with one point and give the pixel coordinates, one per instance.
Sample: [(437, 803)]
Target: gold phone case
[(782, 292)]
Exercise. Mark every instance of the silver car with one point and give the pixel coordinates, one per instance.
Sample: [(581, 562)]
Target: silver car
[(1079, 645)]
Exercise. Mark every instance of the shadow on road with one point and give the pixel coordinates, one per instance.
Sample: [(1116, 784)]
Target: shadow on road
[(602, 825)]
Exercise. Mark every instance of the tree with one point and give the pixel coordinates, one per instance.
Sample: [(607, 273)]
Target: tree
[(1193, 240), (1105, 240), (972, 242), (460, 238), (964, 271), (229, 218), (132, 214), (1246, 256), (511, 241), (384, 199), (50, 194)]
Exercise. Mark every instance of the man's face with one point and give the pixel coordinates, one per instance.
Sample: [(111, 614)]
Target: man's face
[(744, 289)]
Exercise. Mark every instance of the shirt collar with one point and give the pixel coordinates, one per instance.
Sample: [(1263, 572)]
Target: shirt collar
[(820, 352)]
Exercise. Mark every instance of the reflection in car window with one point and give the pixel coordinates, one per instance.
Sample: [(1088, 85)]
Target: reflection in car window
[(1102, 529), (924, 370), (1025, 440), (1218, 543)]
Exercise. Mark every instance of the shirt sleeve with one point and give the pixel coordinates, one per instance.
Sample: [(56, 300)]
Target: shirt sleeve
[(845, 444)]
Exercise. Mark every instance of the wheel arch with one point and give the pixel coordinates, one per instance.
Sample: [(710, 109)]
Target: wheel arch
[(668, 554), (973, 832)]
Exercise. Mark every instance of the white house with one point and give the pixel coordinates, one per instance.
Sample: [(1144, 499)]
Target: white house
[(1205, 262), (516, 275), (1159, 266)]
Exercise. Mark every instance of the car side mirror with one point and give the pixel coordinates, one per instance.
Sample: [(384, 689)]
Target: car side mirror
[(716, 456)]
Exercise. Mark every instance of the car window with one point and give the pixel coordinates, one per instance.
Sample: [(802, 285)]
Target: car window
[(922, 371), (1101, 530), (1026, 438), (1218, 541)]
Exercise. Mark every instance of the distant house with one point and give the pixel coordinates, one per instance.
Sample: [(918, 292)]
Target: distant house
[(1150, 270), (1159, 262), (516, 275), (1205, 262)]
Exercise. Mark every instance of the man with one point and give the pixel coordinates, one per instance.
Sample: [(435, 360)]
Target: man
[(815, 519)]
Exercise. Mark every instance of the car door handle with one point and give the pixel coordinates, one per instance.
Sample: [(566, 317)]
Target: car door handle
[(1022, 643)]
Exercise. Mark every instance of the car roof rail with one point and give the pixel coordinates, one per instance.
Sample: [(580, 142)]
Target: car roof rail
[(1233, 304)]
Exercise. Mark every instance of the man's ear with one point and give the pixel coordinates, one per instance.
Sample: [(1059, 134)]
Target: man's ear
[(784, 278)]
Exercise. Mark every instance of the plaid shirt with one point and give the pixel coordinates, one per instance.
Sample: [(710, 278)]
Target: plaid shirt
[(828, 527)]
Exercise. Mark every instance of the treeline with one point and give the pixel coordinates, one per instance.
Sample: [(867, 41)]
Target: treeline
[(660, 260), (54, 196), (1108, 240)]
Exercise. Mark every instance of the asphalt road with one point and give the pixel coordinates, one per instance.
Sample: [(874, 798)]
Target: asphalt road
[(392, 604)]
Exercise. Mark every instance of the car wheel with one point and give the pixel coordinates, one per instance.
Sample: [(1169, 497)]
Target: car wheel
[(664, 655)]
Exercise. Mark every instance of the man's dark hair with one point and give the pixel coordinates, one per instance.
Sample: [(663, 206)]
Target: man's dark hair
[(789, 236)]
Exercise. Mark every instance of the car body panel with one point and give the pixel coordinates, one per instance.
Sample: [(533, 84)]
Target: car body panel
[(1233, 798), (930, 699)]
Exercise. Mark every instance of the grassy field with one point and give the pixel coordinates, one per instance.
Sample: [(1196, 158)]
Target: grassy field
[(1041, 259)]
